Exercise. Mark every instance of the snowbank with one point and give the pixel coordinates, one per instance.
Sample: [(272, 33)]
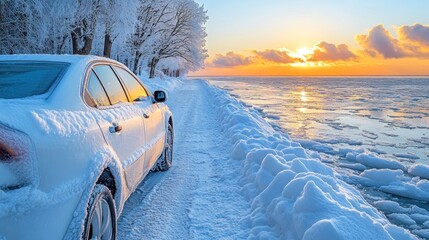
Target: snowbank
[(166, 83), (293, 195)]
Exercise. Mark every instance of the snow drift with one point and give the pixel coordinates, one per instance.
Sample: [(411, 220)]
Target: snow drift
[(293, 195)]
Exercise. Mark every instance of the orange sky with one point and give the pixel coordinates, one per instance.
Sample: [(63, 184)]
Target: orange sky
[(409, 67), (405, 51), (311, 37)]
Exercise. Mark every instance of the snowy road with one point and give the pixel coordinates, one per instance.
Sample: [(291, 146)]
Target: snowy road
[(199, 197)]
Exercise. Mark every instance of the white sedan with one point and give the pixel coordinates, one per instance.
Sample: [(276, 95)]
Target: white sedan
[(77, 136)]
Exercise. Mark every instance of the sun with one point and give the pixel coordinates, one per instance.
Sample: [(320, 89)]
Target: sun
[(302, 54), (305, 52)]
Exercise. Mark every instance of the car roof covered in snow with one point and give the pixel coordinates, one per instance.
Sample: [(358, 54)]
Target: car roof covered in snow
[(67, 94), (65, 97)]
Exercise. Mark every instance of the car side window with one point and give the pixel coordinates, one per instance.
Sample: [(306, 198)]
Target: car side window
[(111, 84), (135, 89), (96, 91)]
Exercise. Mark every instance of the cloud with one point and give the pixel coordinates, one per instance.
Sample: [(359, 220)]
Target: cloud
[(321, 52), (277, 56), (412, 41), (230, 59), (417, 33), (380, 41), (329, 52)]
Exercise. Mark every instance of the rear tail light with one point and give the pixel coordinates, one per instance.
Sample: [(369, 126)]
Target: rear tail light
[(8, 179), (16, 165), (6, 153)]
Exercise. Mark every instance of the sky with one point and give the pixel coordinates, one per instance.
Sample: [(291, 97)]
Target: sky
[(317, 37)]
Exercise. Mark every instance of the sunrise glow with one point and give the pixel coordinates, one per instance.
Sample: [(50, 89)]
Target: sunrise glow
[(290, 38), (302, 54)]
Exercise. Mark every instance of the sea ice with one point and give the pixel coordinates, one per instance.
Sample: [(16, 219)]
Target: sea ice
[(404, 219), (376, 162), (419, 170)]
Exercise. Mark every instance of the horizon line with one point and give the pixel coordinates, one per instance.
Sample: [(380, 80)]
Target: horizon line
[(413, 76)]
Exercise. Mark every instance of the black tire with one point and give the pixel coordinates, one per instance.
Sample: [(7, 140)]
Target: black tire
[(166, 159), (101, 200)]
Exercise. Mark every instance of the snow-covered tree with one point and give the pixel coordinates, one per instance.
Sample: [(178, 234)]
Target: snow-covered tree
[(182, 37), (139, 33), (21, 23), (117, 18), (58, 39), (152, 16), (83, 29)]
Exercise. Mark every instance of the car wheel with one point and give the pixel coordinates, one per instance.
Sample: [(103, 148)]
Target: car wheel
[(166, 160), (100, 221)]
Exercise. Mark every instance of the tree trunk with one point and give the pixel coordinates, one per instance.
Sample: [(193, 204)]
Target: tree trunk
[(87, 46), (137, 57), (87, 43), (61, 49), (153, 64), (75, 40), (107, 45)]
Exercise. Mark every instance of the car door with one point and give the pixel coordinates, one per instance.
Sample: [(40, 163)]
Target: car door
[(152, 116), (119, 120), (155, 133)]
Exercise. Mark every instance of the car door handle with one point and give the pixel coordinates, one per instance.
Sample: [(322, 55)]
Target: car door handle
[(146, 115), (115, 128)]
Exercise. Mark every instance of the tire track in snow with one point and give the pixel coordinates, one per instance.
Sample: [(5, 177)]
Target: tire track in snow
[(199, 197)]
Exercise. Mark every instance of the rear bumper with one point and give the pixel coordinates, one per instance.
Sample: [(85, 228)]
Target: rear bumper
[(36, 215)]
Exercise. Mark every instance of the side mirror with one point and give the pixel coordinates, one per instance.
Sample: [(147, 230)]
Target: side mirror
[(160, 96)]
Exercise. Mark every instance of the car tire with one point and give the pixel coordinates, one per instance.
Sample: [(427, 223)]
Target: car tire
[(166, 160), (100, 221)]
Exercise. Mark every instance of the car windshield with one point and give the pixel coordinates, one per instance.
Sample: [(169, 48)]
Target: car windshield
[(26, 79)]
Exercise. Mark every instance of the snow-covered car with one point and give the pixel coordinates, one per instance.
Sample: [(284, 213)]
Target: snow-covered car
[(77, 136)]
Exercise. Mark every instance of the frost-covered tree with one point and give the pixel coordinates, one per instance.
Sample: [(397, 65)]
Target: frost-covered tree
[(86, 16), (117, 19), (58, 38), (13, 23), (152, 16), (168, 29), (21, 23), (182, 37), (139, 33)]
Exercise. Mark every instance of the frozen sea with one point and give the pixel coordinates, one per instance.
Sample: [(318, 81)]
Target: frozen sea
[(382, 117), (387, 116)]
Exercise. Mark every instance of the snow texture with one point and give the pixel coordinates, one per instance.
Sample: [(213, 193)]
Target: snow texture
[(69, 123), (199, 196), (381, 132), (294, 196)]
